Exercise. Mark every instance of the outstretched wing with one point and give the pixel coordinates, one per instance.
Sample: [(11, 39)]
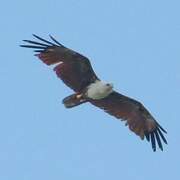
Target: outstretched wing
[(73, 68), (137, 117)]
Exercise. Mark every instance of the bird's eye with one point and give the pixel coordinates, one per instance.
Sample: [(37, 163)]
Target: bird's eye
[(108, 84)]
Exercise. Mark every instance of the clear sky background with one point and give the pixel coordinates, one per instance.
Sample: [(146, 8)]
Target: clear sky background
[(135, 44)]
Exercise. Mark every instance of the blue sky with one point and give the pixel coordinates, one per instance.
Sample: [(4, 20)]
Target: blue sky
[(134, 44)]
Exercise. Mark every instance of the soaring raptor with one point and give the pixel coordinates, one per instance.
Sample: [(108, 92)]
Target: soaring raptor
[(75, 71)]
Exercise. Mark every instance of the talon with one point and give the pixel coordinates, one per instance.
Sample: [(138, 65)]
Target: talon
[(78, 96)]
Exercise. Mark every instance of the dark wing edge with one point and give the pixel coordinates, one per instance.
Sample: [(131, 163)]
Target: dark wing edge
[(72, 68), (137, 117), (156, 137), (41, 47), (45, 50)]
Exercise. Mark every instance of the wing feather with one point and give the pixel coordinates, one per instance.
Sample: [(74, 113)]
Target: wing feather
[(75, 69), (137, 117)]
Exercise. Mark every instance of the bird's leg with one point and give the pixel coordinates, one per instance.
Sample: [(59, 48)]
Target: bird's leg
[(79, 96)]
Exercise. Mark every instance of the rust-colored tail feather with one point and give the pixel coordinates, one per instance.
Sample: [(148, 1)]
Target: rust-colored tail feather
[(72, 101)]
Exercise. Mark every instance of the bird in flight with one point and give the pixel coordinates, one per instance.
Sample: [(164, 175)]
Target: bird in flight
[(76, 72)]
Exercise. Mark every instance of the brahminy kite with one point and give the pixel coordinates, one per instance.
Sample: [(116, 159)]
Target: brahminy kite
[(75, 71)]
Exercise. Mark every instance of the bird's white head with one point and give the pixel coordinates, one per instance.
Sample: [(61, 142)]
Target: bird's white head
[(109, 86), (99, 90)]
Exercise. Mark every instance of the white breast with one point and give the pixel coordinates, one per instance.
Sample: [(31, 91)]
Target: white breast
[(99, 90)]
